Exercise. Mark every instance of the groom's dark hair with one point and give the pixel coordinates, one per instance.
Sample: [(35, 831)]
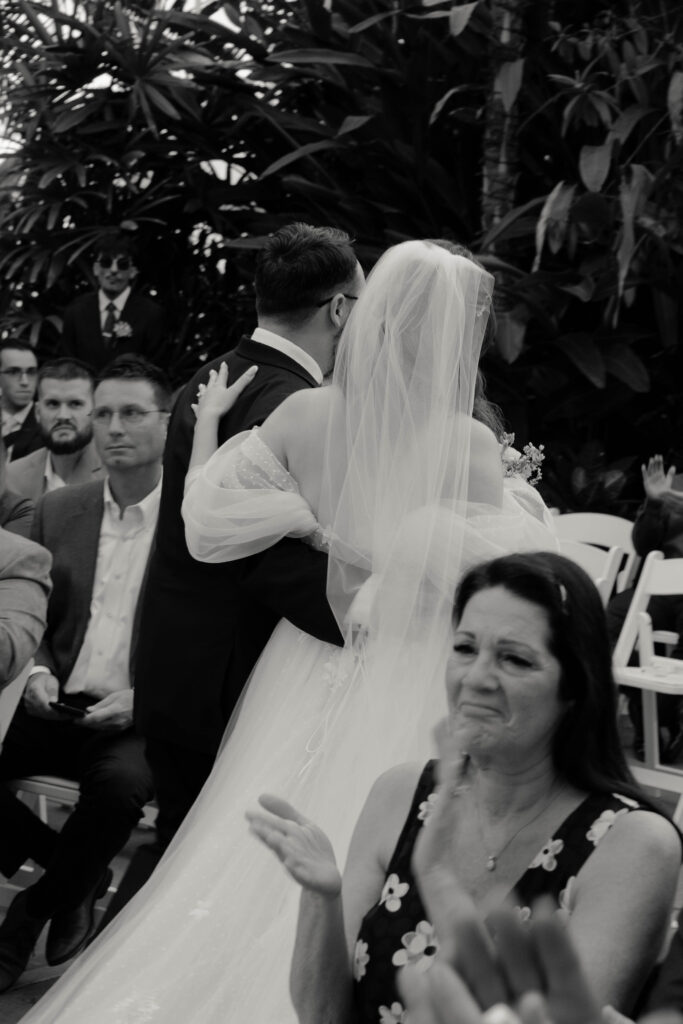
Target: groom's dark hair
[(299, 267)]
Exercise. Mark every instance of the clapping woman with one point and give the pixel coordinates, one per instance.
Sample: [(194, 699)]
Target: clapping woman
[(537, 801)]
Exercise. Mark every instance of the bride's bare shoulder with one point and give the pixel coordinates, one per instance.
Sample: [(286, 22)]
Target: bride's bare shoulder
[(302, 415)]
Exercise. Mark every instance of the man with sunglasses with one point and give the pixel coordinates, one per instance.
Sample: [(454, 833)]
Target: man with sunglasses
[(114, 320)]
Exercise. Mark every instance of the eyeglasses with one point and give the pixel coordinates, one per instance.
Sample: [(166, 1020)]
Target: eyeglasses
[(330, 297), (130, 415), (19, 371), (117, 262)]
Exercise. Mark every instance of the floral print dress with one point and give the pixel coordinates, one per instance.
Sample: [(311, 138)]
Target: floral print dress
[(396, 931)]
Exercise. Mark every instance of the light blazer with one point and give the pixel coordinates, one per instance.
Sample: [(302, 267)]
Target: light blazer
[(24, 586), (68, 522), (26, 476), (82, 330)]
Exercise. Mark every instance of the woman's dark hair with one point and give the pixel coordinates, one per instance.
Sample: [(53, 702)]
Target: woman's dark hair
[(483, 410), (586, 747)]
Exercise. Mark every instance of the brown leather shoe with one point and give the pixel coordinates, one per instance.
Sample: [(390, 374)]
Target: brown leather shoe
[(71, 930), (19, 933)]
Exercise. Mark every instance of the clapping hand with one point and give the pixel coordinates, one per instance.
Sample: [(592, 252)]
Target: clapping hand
[(535, 967), (303, 848), (215, 398), (658, 484)]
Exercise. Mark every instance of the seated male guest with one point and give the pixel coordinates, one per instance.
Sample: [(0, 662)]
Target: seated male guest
[(18, 372), (24, 588), (68, 454), (100, 536), (113, 320)]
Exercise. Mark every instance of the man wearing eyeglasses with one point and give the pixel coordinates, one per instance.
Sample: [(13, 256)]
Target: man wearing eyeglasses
[(77, 712), (18, 372), (114, 320)]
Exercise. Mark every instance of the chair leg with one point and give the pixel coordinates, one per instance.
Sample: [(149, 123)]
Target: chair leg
[(651, 729)]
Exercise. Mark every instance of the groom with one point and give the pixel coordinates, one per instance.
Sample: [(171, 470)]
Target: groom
[(203, 626)]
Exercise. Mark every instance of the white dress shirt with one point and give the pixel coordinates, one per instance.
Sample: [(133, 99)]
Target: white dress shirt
[(53, 480), (288, 348), (119, 303), (103, 662)]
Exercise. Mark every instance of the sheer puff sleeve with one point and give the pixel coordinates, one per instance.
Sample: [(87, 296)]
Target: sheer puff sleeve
[(243, 501)]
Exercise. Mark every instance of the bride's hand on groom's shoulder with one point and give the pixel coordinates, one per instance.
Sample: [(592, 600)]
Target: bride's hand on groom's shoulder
[(302, 847), (215, 398)]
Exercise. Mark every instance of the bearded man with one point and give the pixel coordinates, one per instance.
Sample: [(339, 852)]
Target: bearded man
[(63, 410)]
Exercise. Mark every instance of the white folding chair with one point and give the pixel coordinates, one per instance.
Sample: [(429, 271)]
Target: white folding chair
[(602, 566), (655, 673), (605, 531)]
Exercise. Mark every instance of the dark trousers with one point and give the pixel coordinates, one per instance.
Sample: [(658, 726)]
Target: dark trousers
[(179, 775), (666, 613), (115, 784)]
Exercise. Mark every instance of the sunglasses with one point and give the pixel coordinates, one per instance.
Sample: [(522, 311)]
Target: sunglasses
[(118, 262)]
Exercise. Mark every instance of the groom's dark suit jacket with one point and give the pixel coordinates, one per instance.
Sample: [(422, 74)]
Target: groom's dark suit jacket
[(82, 330), (203, 626)]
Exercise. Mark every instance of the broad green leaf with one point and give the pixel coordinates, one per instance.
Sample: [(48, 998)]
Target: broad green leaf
[(624, 364), (71, 117), (555, 212), (594, 165), (297, 154), (510, 332), (499, 229), (313, 56), (508, 81), (674, 102), (460, 16), (582, 351), (634, 188), (351, 123)]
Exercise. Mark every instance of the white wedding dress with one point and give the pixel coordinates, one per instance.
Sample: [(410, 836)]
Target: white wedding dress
[(209, 938)]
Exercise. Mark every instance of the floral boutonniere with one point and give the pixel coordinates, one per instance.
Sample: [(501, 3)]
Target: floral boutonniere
[(122, 329), (525, 464)]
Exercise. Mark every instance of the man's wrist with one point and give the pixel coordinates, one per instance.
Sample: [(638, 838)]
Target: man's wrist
[(37, 669)]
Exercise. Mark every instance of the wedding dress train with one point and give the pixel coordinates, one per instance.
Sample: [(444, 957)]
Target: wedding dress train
[(209, 938)]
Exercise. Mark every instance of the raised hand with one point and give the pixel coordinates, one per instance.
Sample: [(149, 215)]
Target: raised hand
[(656, 482), (215, 398), (303, 848)]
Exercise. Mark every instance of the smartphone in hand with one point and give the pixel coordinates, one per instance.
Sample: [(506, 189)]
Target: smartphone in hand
[(70, 710)]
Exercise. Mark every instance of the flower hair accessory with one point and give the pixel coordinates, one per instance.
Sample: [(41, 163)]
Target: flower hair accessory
[(525, 464)]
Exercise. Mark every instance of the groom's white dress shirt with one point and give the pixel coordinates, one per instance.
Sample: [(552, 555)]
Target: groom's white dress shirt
[(288, 348)]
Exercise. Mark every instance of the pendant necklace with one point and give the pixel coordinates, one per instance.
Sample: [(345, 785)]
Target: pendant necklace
[(492, 858)]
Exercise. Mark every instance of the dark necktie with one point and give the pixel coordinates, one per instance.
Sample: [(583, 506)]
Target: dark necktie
[(109, 323)]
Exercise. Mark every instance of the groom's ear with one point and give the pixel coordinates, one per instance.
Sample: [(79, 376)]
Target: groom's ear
[(336, 309)]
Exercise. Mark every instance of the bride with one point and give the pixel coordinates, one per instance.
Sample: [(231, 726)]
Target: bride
[(387, 470)]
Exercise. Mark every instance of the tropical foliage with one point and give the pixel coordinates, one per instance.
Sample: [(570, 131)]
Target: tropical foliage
[(549, 137)]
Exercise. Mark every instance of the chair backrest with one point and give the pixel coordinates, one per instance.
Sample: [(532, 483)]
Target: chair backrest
[(10, 696), (606, 531), (659, 576), (602, 566)]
